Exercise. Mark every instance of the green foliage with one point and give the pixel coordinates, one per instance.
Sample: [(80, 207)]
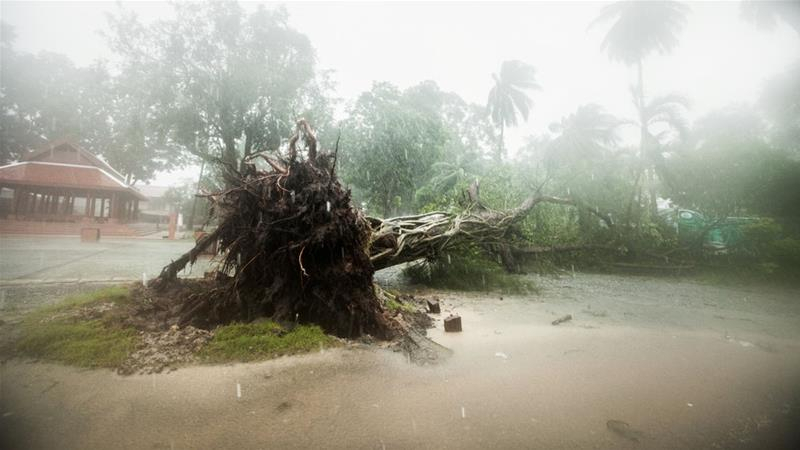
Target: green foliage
[(732, 170), (263, 340), (46, 98), (786, 252), (393, 305), (61, 333), (467, 270), (780, 101), (388, 147), (767, 246), (227, 82)]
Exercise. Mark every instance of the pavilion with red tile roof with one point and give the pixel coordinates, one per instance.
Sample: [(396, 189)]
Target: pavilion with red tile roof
[(63, 182)]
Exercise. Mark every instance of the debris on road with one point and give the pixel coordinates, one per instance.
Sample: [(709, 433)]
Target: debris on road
[(160, 350), (624, 429), (433, 306), (563, 319), (452, 323)]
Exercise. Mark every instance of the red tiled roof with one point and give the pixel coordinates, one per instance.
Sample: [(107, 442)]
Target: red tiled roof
[(63, 176), (42, 155)]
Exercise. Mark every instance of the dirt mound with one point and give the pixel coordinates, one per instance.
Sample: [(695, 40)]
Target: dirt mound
[(165, 350)]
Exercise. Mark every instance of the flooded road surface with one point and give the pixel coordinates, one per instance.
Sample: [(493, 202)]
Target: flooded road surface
[(644, 363)]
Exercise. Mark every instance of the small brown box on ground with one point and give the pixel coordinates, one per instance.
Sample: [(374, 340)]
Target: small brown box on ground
[(433, 306), (452, 323), (90, 234)]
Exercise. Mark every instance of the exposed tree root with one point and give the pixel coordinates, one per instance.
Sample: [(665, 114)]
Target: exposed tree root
[(294, 249)]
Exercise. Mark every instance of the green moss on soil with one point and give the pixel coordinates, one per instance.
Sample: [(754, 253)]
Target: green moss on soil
[(263, 340), (60, 333)]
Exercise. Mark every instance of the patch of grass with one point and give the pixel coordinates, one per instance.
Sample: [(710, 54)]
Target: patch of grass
[(262, 340), (394, 305), (60, 333), (84, 344)]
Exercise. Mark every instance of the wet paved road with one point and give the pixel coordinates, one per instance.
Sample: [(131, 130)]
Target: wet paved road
[(686, 365), (29, 259)]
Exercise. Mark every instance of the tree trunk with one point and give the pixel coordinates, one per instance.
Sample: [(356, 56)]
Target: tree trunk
[(403, 239), (501, 148), (190, 221)]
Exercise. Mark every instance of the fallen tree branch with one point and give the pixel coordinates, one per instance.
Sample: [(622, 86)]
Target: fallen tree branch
[(404, 239)]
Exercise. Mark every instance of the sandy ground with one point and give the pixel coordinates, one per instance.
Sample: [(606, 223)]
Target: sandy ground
[(687, 365)]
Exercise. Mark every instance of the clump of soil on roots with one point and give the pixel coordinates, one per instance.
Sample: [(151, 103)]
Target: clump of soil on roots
[(292, 249)]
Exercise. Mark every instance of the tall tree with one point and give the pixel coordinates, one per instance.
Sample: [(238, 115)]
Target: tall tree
[(45, 97), (588, 133), (638, 29), (730, 168), (509, 98), (780, 101), (221, 82), (388, 146), (767, 13)]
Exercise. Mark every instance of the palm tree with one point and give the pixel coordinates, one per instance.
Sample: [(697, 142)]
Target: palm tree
[(509, 97), (638, 29), (666, 125), (766, 13), (587, 133)]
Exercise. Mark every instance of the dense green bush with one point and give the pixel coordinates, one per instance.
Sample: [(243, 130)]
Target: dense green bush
[(467, 270)]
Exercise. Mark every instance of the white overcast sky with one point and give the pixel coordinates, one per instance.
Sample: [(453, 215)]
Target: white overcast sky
[(721, 59)]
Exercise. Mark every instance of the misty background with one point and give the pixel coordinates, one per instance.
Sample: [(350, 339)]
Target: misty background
[(722, 58)]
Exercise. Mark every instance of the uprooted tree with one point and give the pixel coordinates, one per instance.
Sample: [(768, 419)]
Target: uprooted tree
[(293, 247)]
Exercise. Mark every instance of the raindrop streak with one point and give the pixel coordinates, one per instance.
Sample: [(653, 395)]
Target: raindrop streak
[(448, 259), (144, 279), (328, 206), (463, 413), (238, 390)]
